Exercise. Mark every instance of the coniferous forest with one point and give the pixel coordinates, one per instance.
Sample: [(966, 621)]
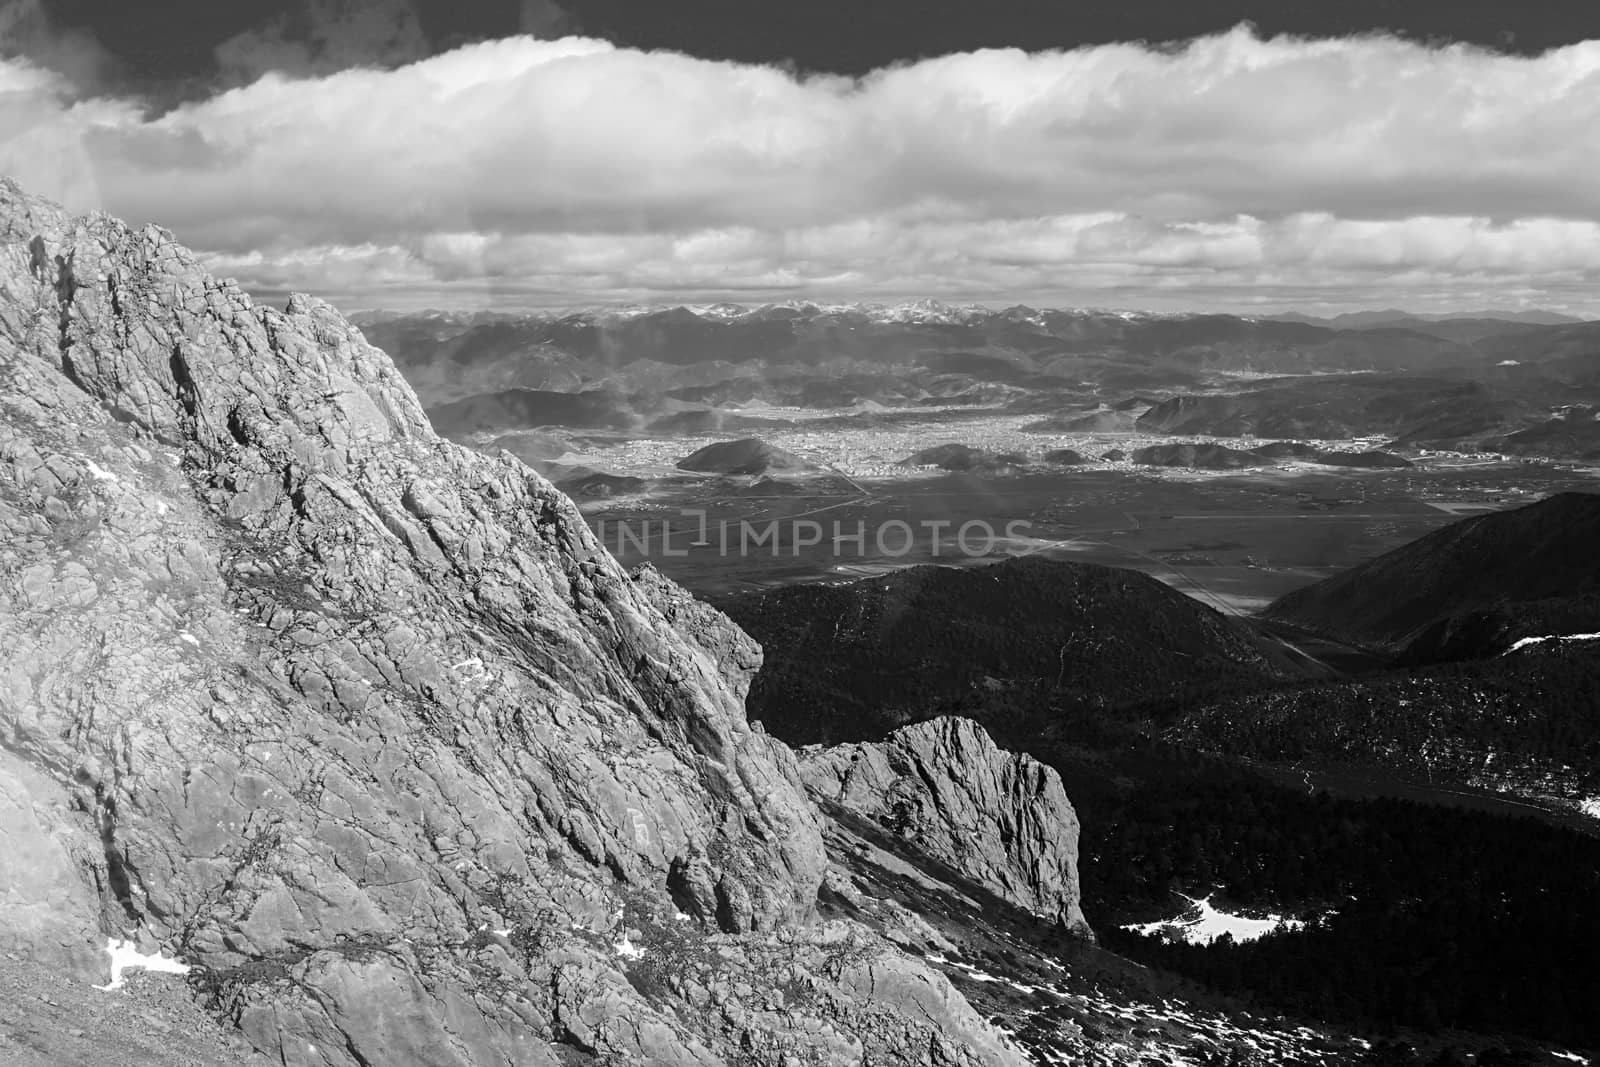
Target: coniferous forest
[(1417, 915), (1423, 917)]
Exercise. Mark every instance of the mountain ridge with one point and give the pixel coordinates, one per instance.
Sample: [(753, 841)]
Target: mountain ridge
[(366, 727), (932, 310), (1477, 584), (1027, 638)]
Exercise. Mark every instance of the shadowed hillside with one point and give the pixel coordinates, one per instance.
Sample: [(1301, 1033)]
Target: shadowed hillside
[(1526, 572), (1025, 637)]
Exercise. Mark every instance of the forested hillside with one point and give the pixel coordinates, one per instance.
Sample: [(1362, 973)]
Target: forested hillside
[(1029, 638)]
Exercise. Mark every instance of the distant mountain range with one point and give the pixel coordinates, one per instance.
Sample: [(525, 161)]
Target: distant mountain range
[(925, 312), (451, 356), (1363, 320), (1471, 383), (929, 311)]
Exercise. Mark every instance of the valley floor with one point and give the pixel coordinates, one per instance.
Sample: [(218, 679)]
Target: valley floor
[(1235, 540)]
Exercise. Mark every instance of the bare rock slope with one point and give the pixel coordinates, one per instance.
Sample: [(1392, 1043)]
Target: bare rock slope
[(367, 727), (1000, 818)]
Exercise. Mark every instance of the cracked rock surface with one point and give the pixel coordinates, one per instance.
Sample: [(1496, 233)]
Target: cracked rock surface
[(367, 727), (1000, 818)]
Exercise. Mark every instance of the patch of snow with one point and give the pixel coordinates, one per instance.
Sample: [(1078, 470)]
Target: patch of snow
[(1528, 642), (504, 933), (100, 473), (189, 637), (628, 950), (1509, 363), (1590, 807), (125, 955), (1210, 923)]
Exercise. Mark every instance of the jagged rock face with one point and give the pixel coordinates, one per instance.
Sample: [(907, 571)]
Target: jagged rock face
[(1000, 818), (365, 725)]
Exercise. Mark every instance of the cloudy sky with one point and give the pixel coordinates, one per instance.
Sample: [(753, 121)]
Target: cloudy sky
[(518, 153)]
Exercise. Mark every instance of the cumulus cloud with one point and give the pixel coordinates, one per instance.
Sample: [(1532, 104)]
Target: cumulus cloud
[(1230, 169)]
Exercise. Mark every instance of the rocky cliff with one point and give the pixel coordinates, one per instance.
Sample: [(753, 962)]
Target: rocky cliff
[(1000, 818), (367, 727)]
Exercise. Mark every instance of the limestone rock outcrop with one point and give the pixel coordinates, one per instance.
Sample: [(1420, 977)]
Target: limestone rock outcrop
[(1000, 818), (367, 727)]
